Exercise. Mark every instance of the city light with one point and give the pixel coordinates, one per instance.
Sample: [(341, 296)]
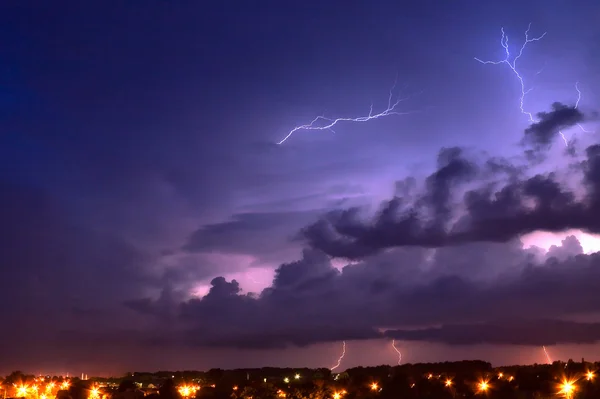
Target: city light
[(22, 391), (567, 388), (590, 375), (483, 386), (187, 390)]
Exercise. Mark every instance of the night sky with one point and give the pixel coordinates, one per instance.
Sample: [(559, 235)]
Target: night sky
[(149, 219)]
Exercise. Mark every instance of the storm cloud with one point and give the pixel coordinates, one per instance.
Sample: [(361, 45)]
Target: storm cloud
[(489, 211)]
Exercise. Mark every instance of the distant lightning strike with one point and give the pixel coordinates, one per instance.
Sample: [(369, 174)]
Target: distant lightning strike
[(577, 105), (341, 357), (397, 351), (513, 66), (323, 123), (547, 355)]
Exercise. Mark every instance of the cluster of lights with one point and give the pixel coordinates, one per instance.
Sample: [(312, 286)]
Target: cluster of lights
[(567, 387), (36, 390), (338, 395), (94, 393), (187, 390), (287, 379)]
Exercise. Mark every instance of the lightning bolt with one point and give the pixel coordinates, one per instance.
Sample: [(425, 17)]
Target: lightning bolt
[(577, 105), (397, 351), (513, 67), (341, 357), (323, 123), (547, 355)]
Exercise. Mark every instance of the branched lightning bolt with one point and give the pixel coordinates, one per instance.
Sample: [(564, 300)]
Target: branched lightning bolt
[(397, 351), (547, 355), (341, 357), (513, 65), (323, 123)]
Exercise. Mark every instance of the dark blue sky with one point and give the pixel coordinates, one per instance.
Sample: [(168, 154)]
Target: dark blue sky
[(138, 163)]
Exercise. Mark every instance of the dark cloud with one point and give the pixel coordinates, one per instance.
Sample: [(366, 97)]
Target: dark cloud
[(507, 332), (310, 301), (491, 210), (542, 134)]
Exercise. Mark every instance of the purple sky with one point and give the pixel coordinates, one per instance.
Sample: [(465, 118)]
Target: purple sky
[(139, 177)]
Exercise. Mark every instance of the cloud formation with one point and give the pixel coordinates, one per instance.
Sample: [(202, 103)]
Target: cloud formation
[(310, 301), (443, 251), (541, 134), (446, 252), (500, 204)]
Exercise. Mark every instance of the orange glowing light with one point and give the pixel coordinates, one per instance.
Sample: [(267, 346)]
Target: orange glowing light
[(483, 386), (567, 388), (590, 375), (64, 385), (22, 391), (94, 393), (235, 388), (430, 376), (185, 391), (281, 394), (374, 386), (337, 395), (448, 382), (500, 375)]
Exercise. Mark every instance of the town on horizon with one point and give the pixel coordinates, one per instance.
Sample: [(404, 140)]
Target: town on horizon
[(569, 379)]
